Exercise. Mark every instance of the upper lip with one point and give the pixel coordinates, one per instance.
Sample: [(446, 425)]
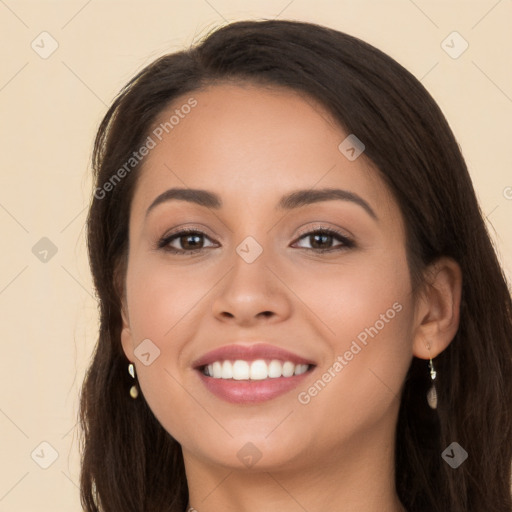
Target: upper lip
[(249, 353)]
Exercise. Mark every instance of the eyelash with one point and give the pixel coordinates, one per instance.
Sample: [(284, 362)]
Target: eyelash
[(163, 243)]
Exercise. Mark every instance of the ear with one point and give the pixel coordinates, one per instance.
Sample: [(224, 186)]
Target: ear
[(437, 311), (126, 333)]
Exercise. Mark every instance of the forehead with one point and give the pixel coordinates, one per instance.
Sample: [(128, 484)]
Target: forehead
[(251, 143)]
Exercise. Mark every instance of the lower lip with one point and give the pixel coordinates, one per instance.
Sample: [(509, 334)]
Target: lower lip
[(251, 391)]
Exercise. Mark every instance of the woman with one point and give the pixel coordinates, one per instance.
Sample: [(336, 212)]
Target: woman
[(301, 308)]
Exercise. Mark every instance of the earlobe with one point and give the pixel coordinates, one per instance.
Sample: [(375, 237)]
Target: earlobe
[(438, 309)]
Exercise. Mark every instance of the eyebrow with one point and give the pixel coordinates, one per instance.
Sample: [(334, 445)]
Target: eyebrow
[(290, 201)]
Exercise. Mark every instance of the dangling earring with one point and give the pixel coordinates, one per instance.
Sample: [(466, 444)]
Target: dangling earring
[(432, 392), (134, 392)]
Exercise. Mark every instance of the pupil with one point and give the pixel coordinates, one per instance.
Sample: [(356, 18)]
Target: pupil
[(188, 237), (322, 236)]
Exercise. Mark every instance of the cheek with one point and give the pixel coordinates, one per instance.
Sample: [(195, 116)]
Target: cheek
[(162, 299), (354, 299), (360, 385), (367, 312), (164, 302), (160, 296)]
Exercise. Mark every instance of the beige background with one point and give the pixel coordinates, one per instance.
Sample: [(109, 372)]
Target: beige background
[(50, 109)]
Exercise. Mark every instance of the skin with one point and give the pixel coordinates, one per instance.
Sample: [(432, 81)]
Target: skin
[(251, 145)]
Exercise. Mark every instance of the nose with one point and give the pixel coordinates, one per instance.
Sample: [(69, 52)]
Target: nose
[(252, 293)]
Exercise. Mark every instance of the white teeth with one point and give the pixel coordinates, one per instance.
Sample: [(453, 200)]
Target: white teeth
[(288, 369), (227, 370), (254, 370), (259, 370), (217, 370), (240, 370), (301, 368), (275, 369)]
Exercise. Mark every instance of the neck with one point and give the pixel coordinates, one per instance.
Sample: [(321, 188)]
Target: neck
[(357, 477)]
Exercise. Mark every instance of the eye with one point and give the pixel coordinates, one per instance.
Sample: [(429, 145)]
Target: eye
[(321, 240), (190, 241)]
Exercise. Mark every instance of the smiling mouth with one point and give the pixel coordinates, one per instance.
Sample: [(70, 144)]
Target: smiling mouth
[(256, 370)]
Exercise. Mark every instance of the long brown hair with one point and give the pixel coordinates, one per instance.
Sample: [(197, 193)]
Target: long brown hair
[(129, 462)]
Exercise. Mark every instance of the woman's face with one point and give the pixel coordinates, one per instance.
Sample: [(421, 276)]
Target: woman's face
[(258, 278)]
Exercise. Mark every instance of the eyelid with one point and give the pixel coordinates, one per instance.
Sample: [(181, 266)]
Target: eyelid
[(192, 227), (319, 226)]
